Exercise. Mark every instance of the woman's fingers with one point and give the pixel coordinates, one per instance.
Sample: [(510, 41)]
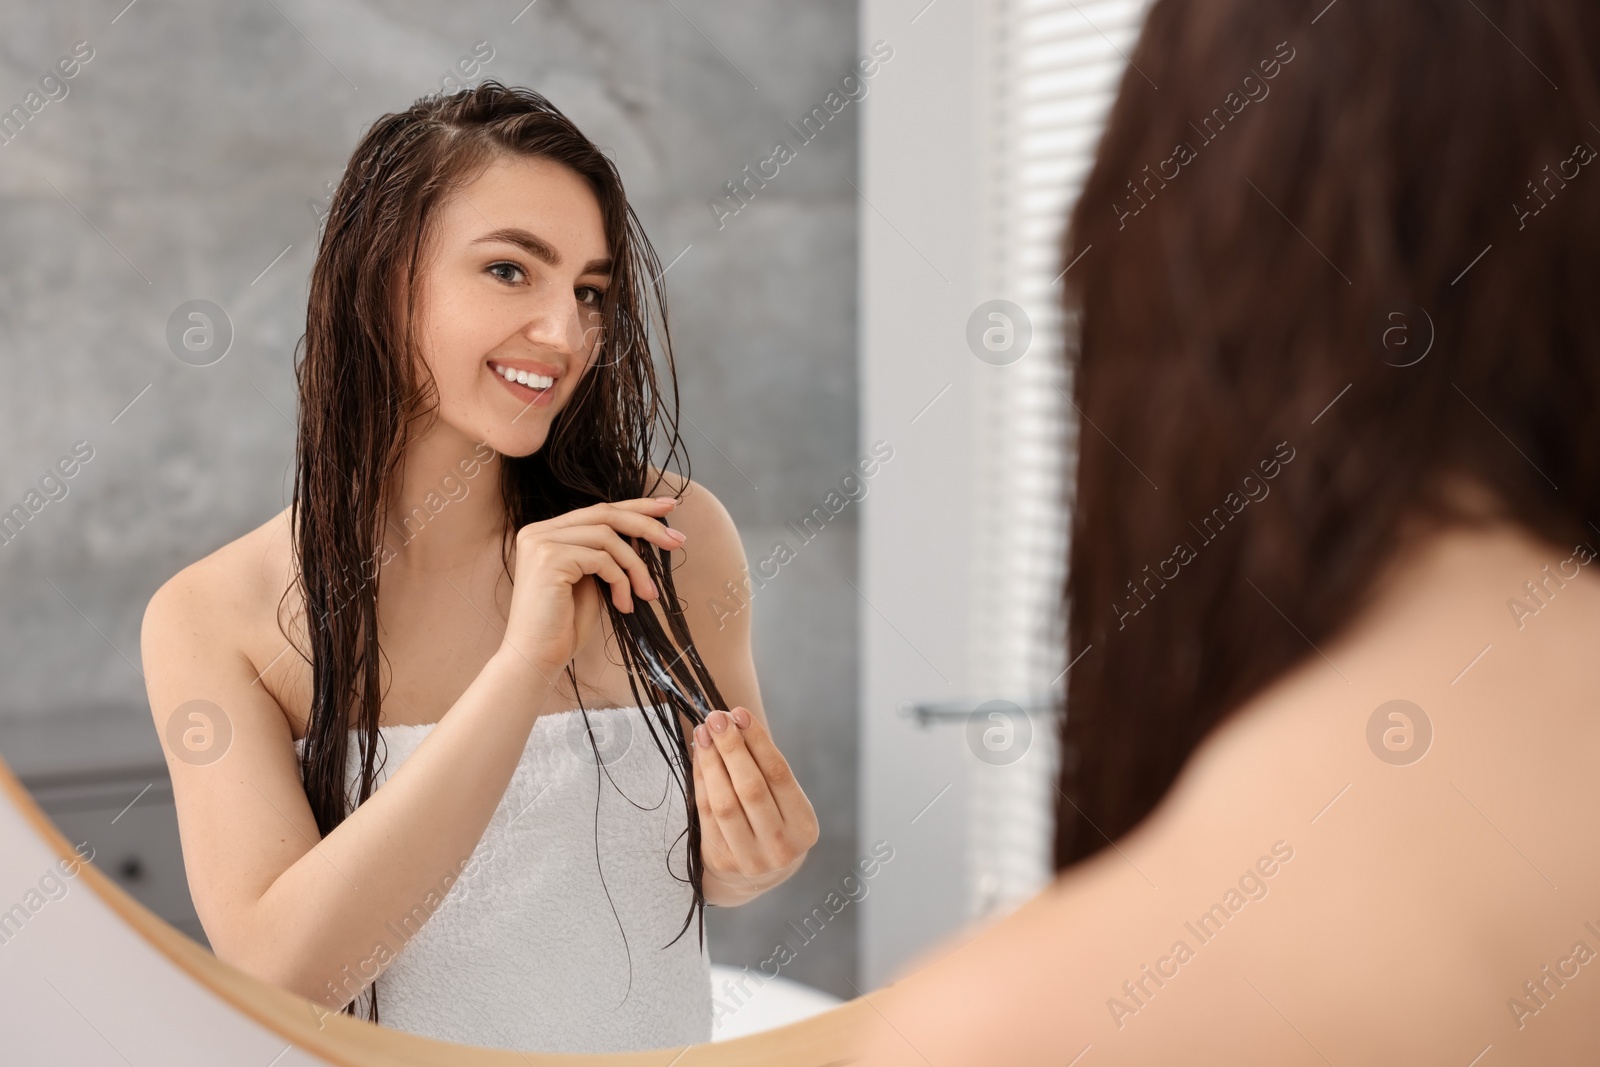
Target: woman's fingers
[(639, 521), (581, 560), (636, 518), (712, 842), (553, 610), (782, 835), (760, 809), (601, 526), (603, 538), (792, 802), (726, 808)]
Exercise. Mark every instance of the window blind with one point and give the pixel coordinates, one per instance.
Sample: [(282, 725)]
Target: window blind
[(1054, 68)]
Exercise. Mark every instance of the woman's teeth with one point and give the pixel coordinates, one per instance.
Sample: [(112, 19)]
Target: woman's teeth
[(522, 377)]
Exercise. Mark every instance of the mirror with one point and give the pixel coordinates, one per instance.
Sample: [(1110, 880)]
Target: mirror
[(94, 976), (830, 318)]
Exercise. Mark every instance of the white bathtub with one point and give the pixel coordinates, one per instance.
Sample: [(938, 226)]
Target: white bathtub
[(741, 1006)]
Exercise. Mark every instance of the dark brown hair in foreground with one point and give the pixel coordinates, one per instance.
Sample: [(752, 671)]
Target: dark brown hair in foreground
[(361, 395), (1338, 185)]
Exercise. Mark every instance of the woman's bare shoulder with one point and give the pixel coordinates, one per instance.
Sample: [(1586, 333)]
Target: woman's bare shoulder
[(664, 482), (236, 587), (243, 567), (712, 546), (712, 581)]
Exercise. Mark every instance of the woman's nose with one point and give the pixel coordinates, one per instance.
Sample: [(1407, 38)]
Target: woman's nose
[(558, 324)]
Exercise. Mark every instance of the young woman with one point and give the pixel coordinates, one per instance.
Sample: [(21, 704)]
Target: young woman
[(478, 403), (1329, 792)]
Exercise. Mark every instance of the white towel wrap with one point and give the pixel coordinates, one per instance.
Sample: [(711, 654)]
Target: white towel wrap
[(525, 951)]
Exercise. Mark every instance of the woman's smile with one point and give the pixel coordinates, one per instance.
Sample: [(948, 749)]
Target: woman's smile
[(530, 382)]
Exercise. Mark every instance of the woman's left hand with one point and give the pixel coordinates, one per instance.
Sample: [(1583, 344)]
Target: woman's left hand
[(756, 824)]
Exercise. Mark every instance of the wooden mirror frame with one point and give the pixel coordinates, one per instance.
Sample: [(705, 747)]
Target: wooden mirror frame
[(29, 841)]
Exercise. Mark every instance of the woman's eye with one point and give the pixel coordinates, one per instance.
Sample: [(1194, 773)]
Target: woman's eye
[(495, 268), (591, 296)]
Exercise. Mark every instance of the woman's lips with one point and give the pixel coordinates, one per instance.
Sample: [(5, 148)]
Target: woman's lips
[(528, 396)]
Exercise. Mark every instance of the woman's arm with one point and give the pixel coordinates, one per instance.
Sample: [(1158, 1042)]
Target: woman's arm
[(757, 824), (315, 915)]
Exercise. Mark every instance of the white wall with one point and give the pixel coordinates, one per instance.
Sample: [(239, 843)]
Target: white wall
[(919, 258)]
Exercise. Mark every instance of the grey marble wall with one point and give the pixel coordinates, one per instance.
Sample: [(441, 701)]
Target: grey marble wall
[(184, 159)]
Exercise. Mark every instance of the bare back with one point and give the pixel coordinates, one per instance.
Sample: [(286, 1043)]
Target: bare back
[(1327, 883)]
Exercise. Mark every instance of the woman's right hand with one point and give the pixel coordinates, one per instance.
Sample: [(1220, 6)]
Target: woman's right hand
[(555, 609)]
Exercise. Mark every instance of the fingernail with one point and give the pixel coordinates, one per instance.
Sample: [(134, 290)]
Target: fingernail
[(667, 500), (741, 716), (679, 534), (718, 721), (700, 736)]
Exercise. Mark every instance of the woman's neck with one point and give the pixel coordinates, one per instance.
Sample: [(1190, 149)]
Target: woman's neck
[(447, 505)]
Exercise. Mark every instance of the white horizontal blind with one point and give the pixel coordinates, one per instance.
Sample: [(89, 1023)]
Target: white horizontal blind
[(1056, 66)]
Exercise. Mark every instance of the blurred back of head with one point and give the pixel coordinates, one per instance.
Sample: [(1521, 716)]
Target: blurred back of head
[(1339, 264)]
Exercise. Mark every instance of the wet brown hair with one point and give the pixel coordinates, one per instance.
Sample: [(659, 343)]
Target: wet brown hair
[(360, 396), (1253, 320)]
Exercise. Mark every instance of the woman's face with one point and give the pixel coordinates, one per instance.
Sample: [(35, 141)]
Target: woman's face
[(513, 283)]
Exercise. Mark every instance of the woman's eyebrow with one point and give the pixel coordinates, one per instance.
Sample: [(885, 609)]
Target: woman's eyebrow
[(539, 248)]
